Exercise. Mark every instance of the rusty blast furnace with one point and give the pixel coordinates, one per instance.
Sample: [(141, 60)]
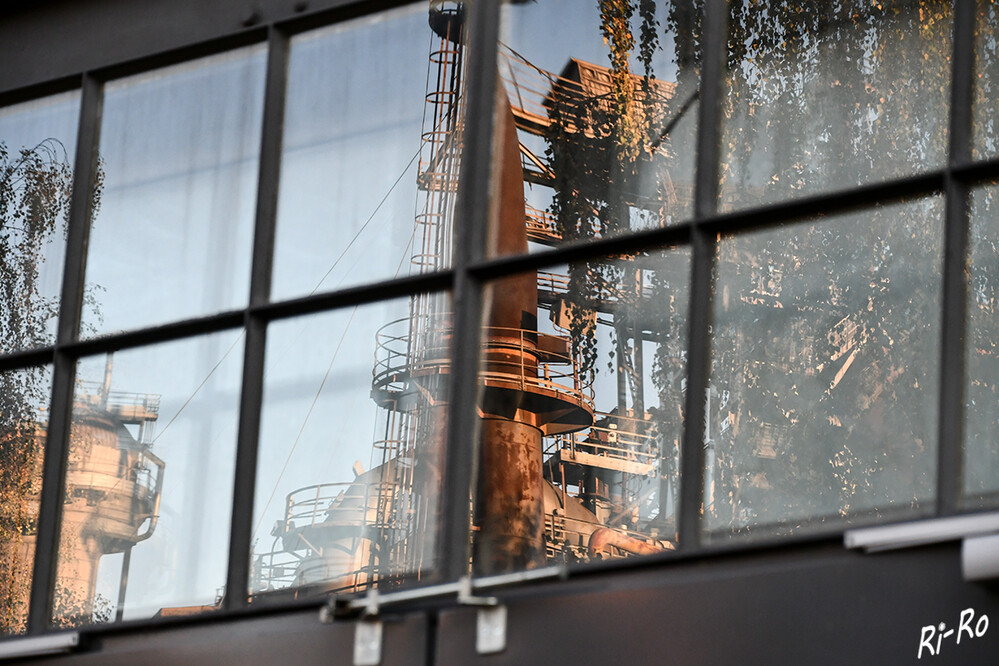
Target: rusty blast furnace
[(559, 480)]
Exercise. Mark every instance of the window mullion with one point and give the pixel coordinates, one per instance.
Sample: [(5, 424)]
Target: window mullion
[(251, 395), (64, 364), (950, 452), (714, 40), (461, 454)]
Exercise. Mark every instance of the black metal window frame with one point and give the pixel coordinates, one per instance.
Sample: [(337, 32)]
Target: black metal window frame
[(470, 274)]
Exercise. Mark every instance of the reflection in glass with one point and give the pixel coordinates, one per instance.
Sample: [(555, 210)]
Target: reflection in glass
[(823, 96), (369, 144), (37, 144), (582, 412), (605, 110), (145, 524), (171, 237), (985, 129), (24, 396), (822, 406), (981, 457), (351, 446)]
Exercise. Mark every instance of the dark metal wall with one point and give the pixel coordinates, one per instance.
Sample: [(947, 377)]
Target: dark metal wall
[(288, 638), (45, 41), (811, 605), (817, 606)]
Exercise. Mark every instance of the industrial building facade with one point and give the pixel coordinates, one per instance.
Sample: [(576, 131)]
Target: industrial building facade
[(513, 332)]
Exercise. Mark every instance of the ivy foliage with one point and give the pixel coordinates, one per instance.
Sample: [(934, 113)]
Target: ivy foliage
[(610, 152), (825, 335), (35, 185), (816, 97)]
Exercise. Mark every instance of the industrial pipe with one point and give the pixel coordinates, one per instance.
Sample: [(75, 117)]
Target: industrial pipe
[(605, 536)]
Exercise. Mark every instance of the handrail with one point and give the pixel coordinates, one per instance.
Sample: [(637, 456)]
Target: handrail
[(319, 502), (554, 282), (540, 224), (149, 401), (575, 444), (620, 443), (582, 396), (393, 365), (140, 474)]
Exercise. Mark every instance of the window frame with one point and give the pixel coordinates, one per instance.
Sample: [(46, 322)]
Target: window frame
[(469, 276)]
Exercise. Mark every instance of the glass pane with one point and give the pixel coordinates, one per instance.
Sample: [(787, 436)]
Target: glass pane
[(981, 455), (582, 412), (827, 96), (604, 100), (822, 406), (37, 145), (145, 526), (24, 397), (173, 225), (985, 129), (370, 164), (351, 446)]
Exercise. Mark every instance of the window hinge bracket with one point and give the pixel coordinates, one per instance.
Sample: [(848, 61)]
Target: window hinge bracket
[(490, 629), (367, 628), (490, 621), (368, 641), (980, 557)]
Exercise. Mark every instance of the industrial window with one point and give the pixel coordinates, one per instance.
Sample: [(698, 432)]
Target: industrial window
[(38, 139), (629, 279)]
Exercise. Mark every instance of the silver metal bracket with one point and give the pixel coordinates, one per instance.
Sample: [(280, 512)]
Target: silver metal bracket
[(978, 533), (490, 621), (980, 558), (368, 642), (19, 648), (370, 603), (490, 629), (368, 633), (922, 532), (466, 597)]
